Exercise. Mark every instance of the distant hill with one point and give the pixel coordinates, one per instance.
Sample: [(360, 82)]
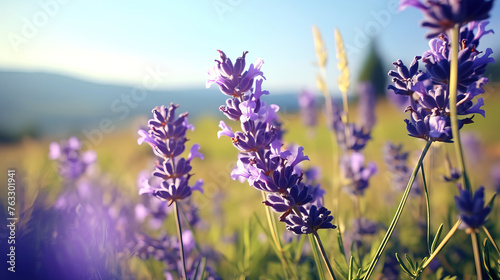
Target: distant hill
[(45, 103)]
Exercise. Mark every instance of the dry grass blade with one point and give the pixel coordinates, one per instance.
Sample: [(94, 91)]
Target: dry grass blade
[(343, 80), (319, 47)]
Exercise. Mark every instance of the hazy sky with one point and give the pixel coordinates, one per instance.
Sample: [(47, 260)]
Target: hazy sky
[(121, 41)]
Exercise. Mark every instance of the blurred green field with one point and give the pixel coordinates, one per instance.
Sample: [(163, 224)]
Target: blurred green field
[(228, 206)]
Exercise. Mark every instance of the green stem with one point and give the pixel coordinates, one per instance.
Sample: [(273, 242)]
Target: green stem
[(397, 215), (477, 256), (274, 233), (455, 31), (317, 260), (428, 205), (179, 234), (443, 242), (272, 225), (323, 254)]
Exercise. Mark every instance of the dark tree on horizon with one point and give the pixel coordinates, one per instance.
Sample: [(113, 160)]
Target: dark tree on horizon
[(373, 70)]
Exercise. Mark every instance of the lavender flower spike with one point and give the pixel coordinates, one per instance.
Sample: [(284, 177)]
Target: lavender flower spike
[(263, 161), (471, 208), (167, 138)]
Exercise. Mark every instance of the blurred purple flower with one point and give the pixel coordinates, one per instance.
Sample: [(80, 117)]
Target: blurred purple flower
[(453, 176), (72, 161), (358, 231), (471, 208), (439, 16), (396, 161), (366, 105), (472, 146), (356, 174), (495, 177), (308, 112), (358, 136)]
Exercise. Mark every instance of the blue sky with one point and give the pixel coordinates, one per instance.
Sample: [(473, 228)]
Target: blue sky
[(120, 42)]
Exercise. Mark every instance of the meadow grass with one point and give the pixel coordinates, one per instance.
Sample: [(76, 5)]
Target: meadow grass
[(229, 207)]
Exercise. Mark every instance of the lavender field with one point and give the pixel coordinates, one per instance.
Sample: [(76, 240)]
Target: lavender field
[(390, 177)]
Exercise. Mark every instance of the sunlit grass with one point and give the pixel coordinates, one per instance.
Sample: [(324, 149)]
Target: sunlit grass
[(228, 206)]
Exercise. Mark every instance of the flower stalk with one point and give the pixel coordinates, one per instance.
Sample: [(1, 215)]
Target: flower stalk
[(477, 255), (455, 32), (323, 254), (179, 234)]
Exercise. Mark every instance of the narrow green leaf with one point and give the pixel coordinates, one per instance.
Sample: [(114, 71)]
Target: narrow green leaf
[(492, 201), (359, 273), (435, 242), (351, 268), (494, 274), (341, 269), (428, 212), (402, 264), (341, 244), (410, 262)]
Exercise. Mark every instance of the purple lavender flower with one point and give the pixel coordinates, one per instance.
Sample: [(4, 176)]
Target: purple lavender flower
[(405, 79), (396, 160), (472, 146), (288, 202), (167, 137), (453, 176), (495, 176), (359, 230), (431, 120), (358, 136), (262, 160), (366, 105), (428, 91), (231, 78), (309, 221), (356, 174), (470, 65), (149, 207), (308, 112), (72, 162), (471, 208), (453, 173), (311, 177), (439, 16)]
